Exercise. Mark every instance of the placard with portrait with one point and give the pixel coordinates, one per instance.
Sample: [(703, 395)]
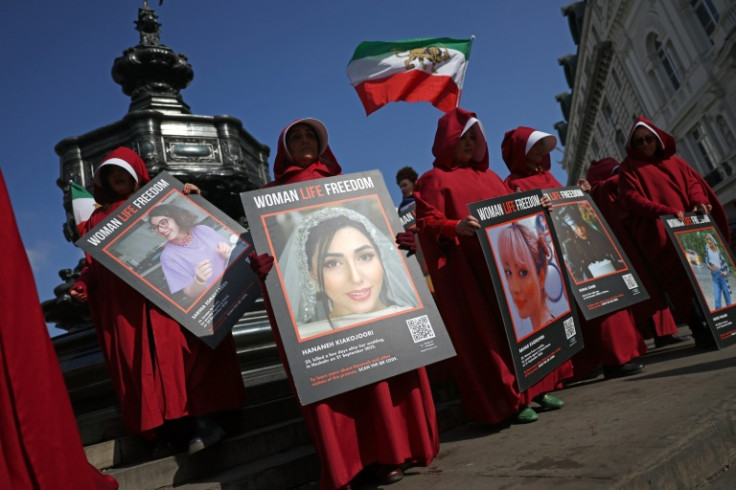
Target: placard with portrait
[(532, 289), (181, 253), (350, 307)]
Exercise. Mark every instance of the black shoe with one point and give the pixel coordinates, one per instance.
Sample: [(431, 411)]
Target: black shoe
[(209, 433), (162, 450), (386, 475), (663, 340), (628, 369)]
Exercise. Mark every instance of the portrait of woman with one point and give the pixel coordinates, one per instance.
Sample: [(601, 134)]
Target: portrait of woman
[(718, 267), (339, 269), (523, 258), (194, 256)]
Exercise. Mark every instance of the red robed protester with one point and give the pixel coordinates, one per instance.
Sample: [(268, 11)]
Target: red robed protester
[(40, 447), (378, 427), (653, 316), (159, 370), (611, 340), (515, 146), (655, 182), (483, 368)]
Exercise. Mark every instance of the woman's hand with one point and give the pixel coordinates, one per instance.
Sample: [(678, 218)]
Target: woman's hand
[(703, 208), (203, 271), (79, 292), (191, 188), (584, 185), (546, 202), (681, 216), (260, 264), (406, 241), (467, 226), (224, 249)]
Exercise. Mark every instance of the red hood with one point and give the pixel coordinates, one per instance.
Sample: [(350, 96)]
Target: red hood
[(450, 128), (601, 170), (284, 166), (666, 141), (514, 150), (130, 162)]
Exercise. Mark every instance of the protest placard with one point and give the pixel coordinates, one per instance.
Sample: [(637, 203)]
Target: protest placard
[(603, 279), (710, 266), (350, 308), (181, 253), (533, 293)]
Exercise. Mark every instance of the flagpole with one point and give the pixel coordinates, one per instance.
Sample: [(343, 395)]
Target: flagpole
[(470, 48)]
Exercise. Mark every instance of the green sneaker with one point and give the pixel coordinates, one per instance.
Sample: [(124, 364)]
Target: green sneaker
[(527, 415), (549, 402)]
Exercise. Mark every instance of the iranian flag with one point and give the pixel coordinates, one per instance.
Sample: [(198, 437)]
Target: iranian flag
[(83, 204), (414, 70)]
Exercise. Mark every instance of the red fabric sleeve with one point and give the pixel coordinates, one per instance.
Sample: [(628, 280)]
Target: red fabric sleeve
[(634, 200), (431, 221), (87, 279)]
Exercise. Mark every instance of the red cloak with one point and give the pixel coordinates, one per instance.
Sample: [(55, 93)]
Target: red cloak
[(652, 187), (483, 368), (40, 447), (391, 422), (159, 370), (611, 339), (652, 317), (523, 178)]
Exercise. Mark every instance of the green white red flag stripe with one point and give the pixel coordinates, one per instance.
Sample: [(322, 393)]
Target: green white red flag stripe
[(83, 204), (413, 70)]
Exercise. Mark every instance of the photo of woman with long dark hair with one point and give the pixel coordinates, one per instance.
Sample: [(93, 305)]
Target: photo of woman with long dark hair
[(339, 270), (194, 256)]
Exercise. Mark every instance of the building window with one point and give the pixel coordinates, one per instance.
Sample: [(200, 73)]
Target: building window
[(706, 13), (667, 63), (608, 113), (616, 79), (706, 151), (725, 131)]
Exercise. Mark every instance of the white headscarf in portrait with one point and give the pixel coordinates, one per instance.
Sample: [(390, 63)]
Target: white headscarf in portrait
[(301, 289)]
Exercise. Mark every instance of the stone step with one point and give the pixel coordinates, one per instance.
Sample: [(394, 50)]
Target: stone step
[(296, 467), (239, 450), (125, 450), (269, 457), (263, 387), (103, 424)]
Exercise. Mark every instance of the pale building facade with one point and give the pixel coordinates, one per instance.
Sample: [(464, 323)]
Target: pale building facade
[(672, 61)]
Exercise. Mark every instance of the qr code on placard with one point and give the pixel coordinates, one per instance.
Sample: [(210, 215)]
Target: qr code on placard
[(420, 328), (630, 281), (569, 325)]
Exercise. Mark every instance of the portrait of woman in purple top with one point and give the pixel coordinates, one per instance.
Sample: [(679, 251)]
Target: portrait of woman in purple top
[(194, 256)]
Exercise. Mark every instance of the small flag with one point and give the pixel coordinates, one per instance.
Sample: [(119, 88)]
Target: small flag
[(83, 204), (414, 70)]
